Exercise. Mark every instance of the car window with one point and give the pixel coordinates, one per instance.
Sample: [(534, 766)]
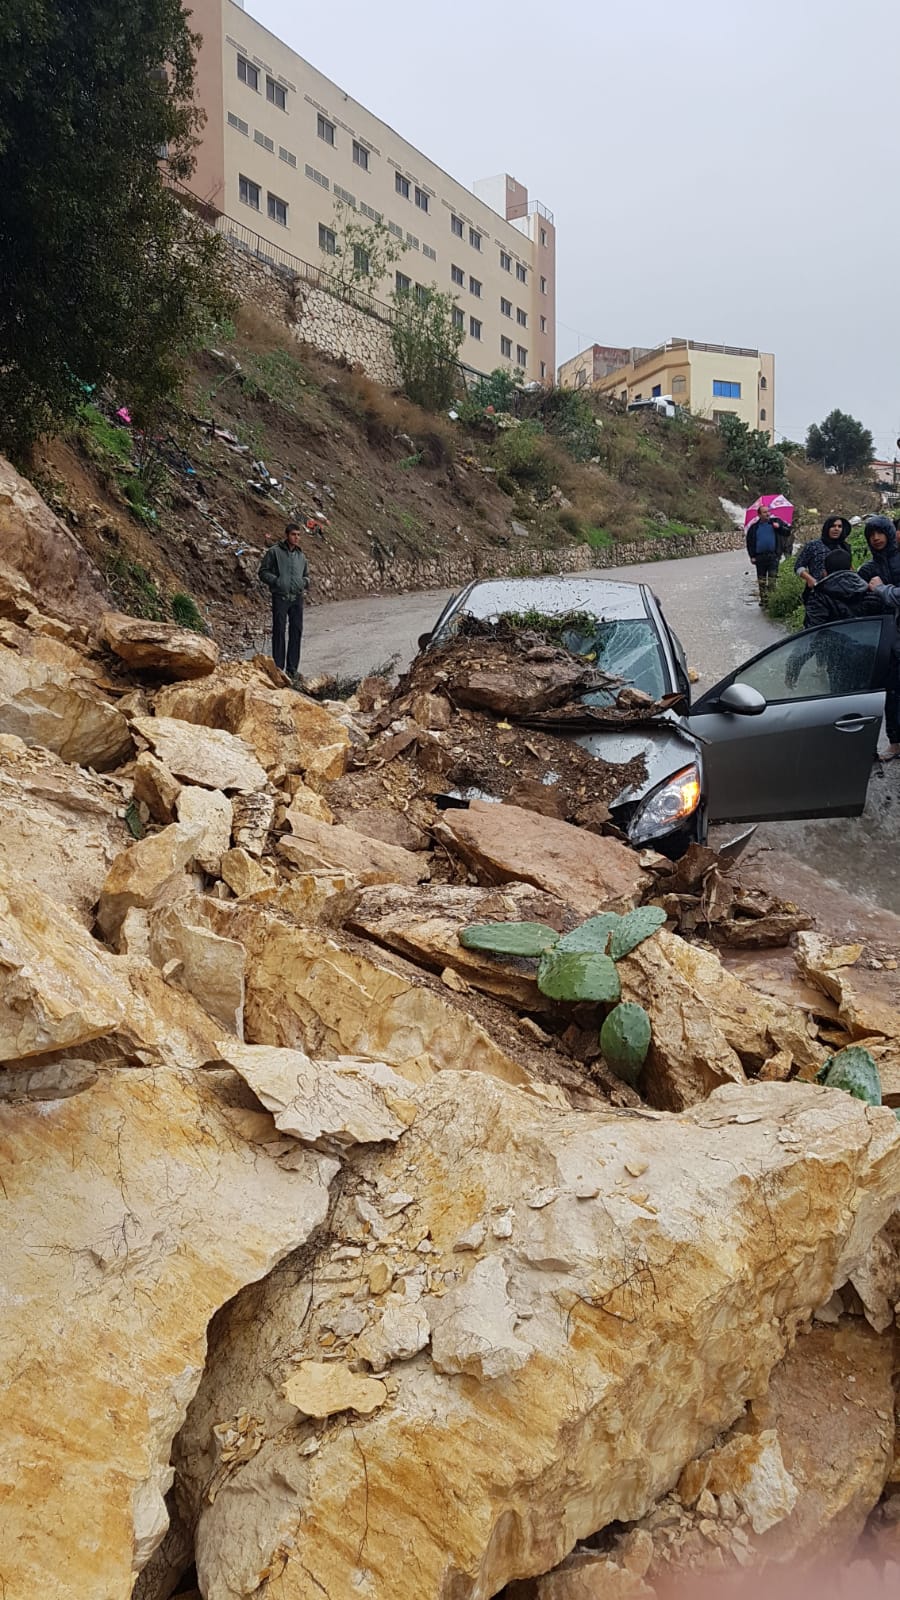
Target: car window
[(835, 660), (626, 649)]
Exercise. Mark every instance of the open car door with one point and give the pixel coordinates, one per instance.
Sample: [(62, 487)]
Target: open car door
[(793, 733)]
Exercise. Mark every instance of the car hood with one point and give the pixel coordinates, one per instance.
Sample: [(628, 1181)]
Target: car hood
[(666, 746)]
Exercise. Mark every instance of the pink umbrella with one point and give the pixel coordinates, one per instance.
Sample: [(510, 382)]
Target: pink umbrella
[(776, 503)]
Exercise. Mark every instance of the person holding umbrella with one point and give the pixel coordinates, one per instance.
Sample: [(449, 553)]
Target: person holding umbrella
[(768, 539)]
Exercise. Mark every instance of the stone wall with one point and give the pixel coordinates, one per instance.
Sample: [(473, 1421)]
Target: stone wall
[(317, 318)]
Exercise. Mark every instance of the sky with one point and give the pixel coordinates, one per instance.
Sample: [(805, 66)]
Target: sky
[(719, 170)]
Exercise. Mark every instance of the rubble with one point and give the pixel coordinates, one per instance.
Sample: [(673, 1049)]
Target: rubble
[(319, 847), (148, 872), (160, 648), (203, 756)]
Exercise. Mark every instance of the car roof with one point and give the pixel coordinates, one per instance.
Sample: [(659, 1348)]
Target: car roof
[(601, 597)]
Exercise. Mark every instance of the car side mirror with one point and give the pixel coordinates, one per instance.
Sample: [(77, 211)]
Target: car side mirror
[(741, 699), (424, 640)]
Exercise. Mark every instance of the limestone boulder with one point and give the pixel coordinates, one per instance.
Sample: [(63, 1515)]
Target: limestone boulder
[(45, 552), (287, 731), (210, 968), (161, 648), (319, 847), (135, 1208), (254, 815), (325, 1103), (57, 988), (42, 705), (155, 788), (210, 811), (244, 874), (631, 1286), (150, 871), (204, 756), (862, 1013), (59, 827), (505, 844), (305, 801)]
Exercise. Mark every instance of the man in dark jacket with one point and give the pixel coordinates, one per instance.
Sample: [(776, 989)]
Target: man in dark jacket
[(285, 571), (810, 563), (768, 538), (841, 593), (881, 537)]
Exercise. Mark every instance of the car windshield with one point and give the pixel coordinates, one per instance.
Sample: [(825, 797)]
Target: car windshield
[(625, 648)]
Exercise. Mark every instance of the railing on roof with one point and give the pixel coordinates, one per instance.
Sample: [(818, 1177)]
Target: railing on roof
[(693, 344), (533, 207), (254, 244)]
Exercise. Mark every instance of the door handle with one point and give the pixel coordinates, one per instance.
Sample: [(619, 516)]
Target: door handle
[(853, 724)]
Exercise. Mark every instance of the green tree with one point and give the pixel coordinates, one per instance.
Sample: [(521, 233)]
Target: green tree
[(426, 339), (840, 442), (363, 253), (105, 275), (749, 455)]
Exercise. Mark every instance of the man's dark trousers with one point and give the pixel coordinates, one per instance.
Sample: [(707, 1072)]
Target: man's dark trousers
[(287, 617)]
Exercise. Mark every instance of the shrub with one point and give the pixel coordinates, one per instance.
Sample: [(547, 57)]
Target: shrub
[(186, 613), (751, 457), (426, 343)]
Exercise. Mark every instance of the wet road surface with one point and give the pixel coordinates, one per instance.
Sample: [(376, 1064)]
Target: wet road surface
[(710, 601)]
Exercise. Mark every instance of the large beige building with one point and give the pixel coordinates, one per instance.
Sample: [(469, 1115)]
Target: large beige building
[(709, 380), (284, 149)]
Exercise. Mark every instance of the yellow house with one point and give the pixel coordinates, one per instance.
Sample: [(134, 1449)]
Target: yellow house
[(710, 380)]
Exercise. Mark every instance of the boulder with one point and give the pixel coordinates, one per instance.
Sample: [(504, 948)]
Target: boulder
[(45, 552), (161, 648), (148, 872), (210, 968), (325, 1103), (244, 875), (210, 811), (205, 756), (861, 1013), (155, 787), (392, 827), (505, 844), (42, 705), (135, 1208), (254, 815), (305, 801), (59, 827), (287, 731), (57, 987), (317, 847), (601, 1335)]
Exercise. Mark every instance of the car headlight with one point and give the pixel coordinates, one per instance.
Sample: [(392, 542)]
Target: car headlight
[(668, 806)]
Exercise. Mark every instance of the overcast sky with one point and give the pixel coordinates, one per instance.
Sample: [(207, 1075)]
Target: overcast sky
[(720, 170)]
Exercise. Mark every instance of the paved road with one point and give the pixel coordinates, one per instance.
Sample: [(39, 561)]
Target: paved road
[(711, 603)]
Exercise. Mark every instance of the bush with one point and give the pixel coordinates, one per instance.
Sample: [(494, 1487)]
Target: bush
[(523, 454), (186, 613), (572, 524), (426, 343), (748, 454)]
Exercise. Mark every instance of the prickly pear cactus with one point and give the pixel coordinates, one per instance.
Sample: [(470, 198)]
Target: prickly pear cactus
[(578, 975), (509, 938), (625, 1040), (854, 1071), (593, 935), (634, 928)]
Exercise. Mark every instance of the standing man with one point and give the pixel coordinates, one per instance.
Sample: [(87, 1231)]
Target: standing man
[(767, 539), (285, 571)]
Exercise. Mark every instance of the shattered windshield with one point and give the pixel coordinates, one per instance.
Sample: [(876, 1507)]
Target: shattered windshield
[(623, 647)]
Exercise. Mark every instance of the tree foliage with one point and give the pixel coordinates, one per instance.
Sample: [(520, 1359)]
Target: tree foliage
[(364, 252), (840, 442), (749, 455), (426, 344), (105, 275)]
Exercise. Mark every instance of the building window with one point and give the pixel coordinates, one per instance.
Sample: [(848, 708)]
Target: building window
[(264, 140), (238, 122), (763, 382), (421, 199), (278, 210), (345, 195), (679, 385), (520, 272), (543, 324), (475, 327), (521, 355), (287, 155), (521, 317), (401, 185), (544, 237), (422, 294), (505, 307), (505, 261), (762, 415), (456, 226), (325, 129), (427, 251), (475, 287), (397, 232), (403, 283), (249, 192), (276, 94), (327, 240), (412, 241), (543, 369), (656, 391), (459, 320), (248, 73), (543, 286), (360, 261), (458, 276), (725, 390), (624, 396), (360, 155), (367, 211), (505, 346), (719, 416), (317, 177), (475, 238)]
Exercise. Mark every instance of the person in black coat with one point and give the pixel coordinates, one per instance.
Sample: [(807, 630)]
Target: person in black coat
[(881, 537), (841, 593), (768, 539), (810, 563)]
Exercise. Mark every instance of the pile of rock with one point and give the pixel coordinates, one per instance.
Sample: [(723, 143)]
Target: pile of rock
[(337, 1261)]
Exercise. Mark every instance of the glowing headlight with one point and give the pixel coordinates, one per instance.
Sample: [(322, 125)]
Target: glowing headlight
[(668, 806)]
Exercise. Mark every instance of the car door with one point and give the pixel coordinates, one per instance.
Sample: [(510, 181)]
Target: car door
[(808, 749)]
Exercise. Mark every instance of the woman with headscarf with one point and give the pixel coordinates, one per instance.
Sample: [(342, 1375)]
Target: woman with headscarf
[(810, 563), (881, 537)]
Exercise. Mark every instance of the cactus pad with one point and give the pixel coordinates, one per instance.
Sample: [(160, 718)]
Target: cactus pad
[(578, 975), (634, 928), (625, 1040), (853, 1070), (509, 938)]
